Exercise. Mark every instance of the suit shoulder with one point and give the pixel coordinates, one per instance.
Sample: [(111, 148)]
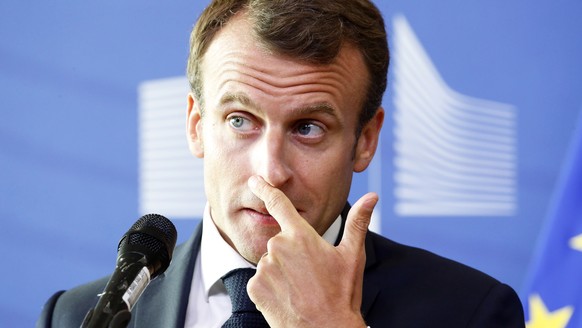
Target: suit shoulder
[(389, 254), (408, 280), (68, 308)]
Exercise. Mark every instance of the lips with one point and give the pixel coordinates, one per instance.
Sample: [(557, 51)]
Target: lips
[(258, 212), (262, 211), (261, 215)]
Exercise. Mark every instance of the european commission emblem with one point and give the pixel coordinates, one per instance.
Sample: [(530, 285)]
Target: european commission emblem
[(454, 154)]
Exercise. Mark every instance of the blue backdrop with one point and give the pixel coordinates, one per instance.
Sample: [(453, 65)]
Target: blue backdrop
[(69, 161)]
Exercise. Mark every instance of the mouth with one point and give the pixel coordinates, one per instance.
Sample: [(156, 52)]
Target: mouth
[(261, 215)]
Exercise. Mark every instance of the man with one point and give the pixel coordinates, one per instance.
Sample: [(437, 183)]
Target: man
[(285, 106)]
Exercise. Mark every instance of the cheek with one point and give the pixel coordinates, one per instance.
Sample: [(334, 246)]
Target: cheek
[(328, 178), (327, 187), (227, 166), (220, 151)]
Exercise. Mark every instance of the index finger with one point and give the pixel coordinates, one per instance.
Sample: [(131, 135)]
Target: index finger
[(277, 203)]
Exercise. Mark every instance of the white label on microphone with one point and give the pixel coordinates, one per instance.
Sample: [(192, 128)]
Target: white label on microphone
[(137, 287)]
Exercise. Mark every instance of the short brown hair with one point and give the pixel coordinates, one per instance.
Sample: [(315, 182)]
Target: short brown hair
[(310, 30)]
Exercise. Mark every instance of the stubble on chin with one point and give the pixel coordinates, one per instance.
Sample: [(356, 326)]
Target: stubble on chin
[(252, 247)]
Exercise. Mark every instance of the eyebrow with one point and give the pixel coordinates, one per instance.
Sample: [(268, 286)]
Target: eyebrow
[(243, 99)]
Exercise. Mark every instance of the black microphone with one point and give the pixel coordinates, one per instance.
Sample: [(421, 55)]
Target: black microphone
[(143, 253)]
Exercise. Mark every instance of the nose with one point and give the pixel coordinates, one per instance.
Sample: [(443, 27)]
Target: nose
[(270, 158)]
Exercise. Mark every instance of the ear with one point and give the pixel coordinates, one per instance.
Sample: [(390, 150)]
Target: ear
[(194, 127), (368, 141)]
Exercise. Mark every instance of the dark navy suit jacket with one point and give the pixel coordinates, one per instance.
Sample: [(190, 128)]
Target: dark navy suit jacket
[(403, 287)]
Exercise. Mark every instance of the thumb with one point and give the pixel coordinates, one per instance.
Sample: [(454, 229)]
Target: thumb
[(358, 221)]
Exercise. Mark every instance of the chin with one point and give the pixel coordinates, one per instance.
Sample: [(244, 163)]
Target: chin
[(253, 256), (254, 250)]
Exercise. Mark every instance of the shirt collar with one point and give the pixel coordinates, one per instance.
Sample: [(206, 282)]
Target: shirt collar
[(217, 257)]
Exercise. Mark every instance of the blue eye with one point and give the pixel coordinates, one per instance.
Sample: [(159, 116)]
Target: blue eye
[(240, 123), (309, 130), (237, 121)]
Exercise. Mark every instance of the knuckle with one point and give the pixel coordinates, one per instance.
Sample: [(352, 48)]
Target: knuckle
[(274, 200), (274, 245), (253, 287), (360, 224), (270, 243)]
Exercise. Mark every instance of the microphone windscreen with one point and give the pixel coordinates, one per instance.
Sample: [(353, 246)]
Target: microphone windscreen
[(154, 236)]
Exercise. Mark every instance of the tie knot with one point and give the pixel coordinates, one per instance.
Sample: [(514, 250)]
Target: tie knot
[(235, 282)]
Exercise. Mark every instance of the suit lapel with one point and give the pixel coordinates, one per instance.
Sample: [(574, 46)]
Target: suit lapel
[(369, 289), (165, 301)]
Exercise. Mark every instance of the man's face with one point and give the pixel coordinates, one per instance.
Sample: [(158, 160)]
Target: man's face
[(290, 122)]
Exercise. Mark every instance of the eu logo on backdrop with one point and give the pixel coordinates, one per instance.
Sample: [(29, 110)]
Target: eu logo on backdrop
[(454, 154)]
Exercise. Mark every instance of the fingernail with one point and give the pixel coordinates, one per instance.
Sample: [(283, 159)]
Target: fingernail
[(370, 203)]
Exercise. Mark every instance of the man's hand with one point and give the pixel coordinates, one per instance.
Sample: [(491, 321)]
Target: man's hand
[(302, 280)]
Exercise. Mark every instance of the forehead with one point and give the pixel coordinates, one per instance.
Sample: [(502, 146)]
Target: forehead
[(236, 57)]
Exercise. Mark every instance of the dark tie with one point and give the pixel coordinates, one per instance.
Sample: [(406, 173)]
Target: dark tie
[(244, 311)]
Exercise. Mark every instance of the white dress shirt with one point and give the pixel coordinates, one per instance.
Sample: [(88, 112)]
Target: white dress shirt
[(209, 304)]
